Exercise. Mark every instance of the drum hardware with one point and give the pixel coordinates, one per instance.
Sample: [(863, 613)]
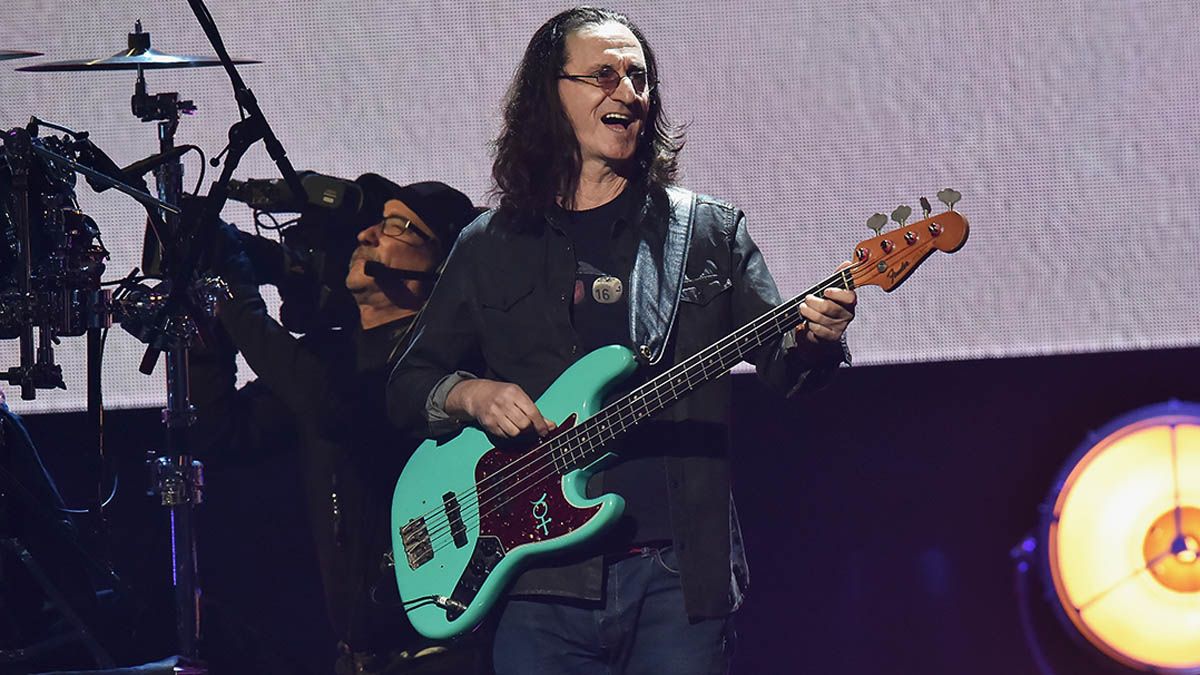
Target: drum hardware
[(60, 294), (164, 108), (53, 258), (169, 315), (164, 319), (198, 218), (55, 253), (92, 163)]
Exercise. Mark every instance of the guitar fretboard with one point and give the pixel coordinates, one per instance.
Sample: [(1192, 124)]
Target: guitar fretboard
[(583, 444)]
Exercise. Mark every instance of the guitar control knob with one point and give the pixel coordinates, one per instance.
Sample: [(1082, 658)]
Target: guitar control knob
[(887, 246), (910, 238)]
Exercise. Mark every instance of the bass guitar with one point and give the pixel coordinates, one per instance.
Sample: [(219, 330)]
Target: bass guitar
[(467, 517)]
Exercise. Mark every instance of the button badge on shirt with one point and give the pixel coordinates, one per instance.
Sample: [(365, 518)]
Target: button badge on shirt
[(606, 290)]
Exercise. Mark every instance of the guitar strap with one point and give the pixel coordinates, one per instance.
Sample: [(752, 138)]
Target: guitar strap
[(657, 277)]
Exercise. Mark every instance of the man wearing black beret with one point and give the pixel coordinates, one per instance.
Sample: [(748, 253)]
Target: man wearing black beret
[(318, 401)]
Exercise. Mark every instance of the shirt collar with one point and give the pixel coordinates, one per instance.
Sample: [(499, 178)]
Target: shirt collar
[(632, 209)]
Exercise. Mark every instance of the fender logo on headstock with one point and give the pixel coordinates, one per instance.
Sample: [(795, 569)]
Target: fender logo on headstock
[(897, 271)]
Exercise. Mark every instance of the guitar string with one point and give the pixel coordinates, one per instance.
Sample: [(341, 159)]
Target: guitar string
[(437, 535), (573, 434), (437, 538), (442, 526), (702, 361), (828, 283), (768, 323)]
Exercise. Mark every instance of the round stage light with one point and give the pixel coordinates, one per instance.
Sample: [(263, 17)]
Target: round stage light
[(1121, 534)]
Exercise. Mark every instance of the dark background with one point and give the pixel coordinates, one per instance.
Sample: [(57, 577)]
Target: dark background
[(879, 517)]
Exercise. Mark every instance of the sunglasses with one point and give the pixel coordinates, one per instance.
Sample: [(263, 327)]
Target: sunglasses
[(608, 79)]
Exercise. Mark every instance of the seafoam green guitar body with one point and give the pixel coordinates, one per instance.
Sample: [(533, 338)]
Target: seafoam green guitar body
[(467, 518)]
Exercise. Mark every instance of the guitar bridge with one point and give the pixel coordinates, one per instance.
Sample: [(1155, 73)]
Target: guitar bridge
[(417, 547)]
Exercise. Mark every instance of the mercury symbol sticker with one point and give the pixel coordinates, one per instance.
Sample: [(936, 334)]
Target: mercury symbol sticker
[(541, 513)]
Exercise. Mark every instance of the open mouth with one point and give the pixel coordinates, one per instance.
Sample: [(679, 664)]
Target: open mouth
[(616, 120)]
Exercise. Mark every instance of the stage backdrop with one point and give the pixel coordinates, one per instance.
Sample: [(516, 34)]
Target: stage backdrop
[(1070, 128)]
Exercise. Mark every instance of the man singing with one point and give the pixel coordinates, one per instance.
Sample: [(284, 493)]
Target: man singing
[(589, 246)]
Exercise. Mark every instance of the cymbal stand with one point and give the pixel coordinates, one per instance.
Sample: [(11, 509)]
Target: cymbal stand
[(192, 239), (164, 108), (178, 478)]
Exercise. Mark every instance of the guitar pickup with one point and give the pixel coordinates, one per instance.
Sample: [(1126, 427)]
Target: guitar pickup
[(454, 516), (417, 547)]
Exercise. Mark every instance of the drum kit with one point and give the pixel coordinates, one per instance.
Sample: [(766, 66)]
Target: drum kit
[(52, 258)]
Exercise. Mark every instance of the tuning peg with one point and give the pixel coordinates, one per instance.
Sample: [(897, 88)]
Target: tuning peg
[(901, 214), (876, 222), (949, 197), (926, 209)]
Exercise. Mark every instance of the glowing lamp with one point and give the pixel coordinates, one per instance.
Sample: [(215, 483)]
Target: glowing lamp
[(1121, 535)]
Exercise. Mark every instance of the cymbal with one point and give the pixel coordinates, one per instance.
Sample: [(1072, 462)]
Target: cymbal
[(6, 54), (132, 59)]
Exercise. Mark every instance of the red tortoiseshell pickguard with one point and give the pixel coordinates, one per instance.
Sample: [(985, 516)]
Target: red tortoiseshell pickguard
[(527, 504)]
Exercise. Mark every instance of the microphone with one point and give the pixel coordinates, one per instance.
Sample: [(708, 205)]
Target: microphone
[(374, 268), (143, 166)]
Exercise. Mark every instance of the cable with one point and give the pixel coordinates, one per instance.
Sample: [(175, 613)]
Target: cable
[(259, 226), (275, 225), (203, 164), (111, 493)]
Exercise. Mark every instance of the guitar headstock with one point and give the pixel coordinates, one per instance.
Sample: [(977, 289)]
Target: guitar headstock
[(888, 258)]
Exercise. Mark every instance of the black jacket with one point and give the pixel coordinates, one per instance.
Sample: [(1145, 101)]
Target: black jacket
[(318, 401), (501, 311)]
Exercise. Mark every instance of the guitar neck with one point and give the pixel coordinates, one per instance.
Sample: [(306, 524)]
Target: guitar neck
[(584, 443)]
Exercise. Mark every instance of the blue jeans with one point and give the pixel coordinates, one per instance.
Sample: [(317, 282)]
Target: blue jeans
[(642, 628)]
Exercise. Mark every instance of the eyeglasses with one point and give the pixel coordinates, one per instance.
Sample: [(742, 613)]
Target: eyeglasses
[(608, 79), (396, 227)]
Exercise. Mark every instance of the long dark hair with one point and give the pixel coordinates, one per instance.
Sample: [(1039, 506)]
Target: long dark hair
[(537, 157)]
